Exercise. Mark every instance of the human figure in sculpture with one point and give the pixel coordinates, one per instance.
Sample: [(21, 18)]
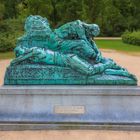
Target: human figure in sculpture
[(70, 45), (76, 37)]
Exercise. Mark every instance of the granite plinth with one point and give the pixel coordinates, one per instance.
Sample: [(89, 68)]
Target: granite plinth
[(69, 107)]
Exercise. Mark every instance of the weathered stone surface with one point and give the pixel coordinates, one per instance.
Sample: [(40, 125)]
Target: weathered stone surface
[(69, 107)]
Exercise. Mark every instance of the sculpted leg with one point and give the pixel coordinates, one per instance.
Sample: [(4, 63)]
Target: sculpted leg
[(120, 73), (83, 66)]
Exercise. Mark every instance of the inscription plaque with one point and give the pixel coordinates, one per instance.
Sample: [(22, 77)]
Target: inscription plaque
[(69, 109)]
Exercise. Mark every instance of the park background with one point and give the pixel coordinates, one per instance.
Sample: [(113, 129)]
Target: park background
[(116, 18), (119, 21)]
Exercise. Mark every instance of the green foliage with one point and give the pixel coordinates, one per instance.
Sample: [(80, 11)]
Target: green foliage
[(118, 45), (2, 10), (113, 16), (92, 9), (131, 37), (7, 55), (9, 31), (10, 8), (6, 43)]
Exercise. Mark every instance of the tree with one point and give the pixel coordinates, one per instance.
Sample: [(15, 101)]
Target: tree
[(2, 11), (113, 16), (130, 11), (92, 9)]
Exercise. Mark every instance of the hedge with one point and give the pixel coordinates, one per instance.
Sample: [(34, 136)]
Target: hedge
[(10, 30), (7, 42), (131, 38)]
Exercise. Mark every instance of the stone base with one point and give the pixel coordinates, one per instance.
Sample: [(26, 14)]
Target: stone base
[(69, 107), (35, 74)]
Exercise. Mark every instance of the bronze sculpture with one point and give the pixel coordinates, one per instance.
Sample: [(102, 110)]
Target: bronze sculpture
[(67, 49)]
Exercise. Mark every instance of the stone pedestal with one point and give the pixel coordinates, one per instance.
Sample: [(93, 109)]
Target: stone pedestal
[(69, 107)]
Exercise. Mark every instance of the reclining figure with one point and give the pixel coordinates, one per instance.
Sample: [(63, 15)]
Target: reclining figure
[(70, 45)]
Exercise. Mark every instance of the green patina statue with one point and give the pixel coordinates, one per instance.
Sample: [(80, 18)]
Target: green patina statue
[(67, 55)]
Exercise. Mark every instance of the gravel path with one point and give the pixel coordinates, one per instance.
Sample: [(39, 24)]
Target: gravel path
[(70, 135)]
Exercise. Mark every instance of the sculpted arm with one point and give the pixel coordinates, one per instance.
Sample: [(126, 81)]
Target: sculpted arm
[(34, 54), (91, 31), (98, 53), (20, 50)]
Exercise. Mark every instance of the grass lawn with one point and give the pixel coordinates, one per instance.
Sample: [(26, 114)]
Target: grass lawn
[(103, 44), (7, 55), (117, 45)]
